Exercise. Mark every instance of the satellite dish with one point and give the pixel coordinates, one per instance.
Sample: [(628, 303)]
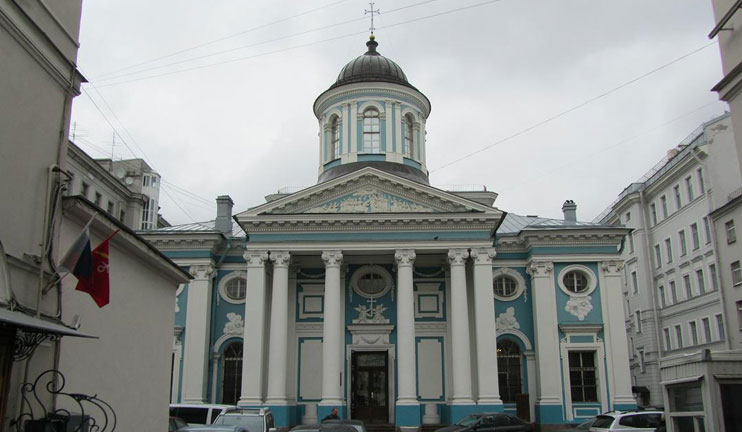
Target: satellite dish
[(129, 180), (120, 173)]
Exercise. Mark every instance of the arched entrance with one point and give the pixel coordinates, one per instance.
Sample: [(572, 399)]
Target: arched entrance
[(232, 373)]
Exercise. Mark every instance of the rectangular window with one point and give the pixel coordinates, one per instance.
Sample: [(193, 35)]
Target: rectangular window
[(688, 287), (661, 293), (583, 376), (631, 242), (673, 292), (657, 256), (736, 273), (109, 208), (653, 212), (678, 199), (706, 329), (679, 335), (663, 205), (686, 407), (739, 314), (84, 189), (731, 233), (689, 188), (712, 273), (720, 326), (683, 245), (701, 281), (628, 216), (122, 215), (668, 249), (707, 229), (668, 341), (98, 198), (641, 360), (634, 283), (638, 321), (694, 236), (693, 332), (701, 184)]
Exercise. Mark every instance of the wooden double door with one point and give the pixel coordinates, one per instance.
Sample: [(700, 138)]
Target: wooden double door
[(369, 386)]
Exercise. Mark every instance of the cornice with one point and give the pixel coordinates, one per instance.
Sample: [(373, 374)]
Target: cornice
[(185, 241), (332, 96), (572, 238), (398, 224)]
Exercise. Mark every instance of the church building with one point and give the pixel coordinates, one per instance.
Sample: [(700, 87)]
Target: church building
[(391, 300)]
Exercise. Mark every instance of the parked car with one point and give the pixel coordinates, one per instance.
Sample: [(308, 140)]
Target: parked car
[(197, 414), (582, 427), (328, 426), (356, 424), (628, 421), (214, 428), (176, 424), (490, 422), (253, 419)]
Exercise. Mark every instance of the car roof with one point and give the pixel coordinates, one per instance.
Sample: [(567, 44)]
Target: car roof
[(344, 421), (181, 405)]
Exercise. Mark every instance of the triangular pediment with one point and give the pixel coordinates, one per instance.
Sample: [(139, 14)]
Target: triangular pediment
[(371, 199)]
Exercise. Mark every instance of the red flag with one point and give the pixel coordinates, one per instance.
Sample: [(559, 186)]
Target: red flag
[(97, 284)]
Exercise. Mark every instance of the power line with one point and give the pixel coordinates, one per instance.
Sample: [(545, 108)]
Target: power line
[(574, 108)]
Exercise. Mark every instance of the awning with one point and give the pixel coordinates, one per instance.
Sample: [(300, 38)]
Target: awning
[(33, 324), (639, 389)]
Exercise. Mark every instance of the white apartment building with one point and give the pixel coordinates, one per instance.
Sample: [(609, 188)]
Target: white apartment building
[(673, 301)]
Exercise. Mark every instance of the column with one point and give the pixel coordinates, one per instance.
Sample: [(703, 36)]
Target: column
[(253, 336), (549, 397), (408, 406), (332, 335), (278, 342), (462, 394), (616, 342), (486, 333), (353, 126), (390, 147), (397, 119), (197, 330)]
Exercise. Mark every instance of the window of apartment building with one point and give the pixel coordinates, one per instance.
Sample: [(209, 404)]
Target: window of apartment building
[(739, 314), (736, 273), (688, 287), (583, 376), (683, 245), (678, 198), (720, 326), (628, 216), (668, 341), (686, 407), (653, 212), (663, 205), (693, 332), (661, 294), (701, 281), (631, 242), (668, 249), (109, 208), (634, 283), (712, 274), (98, 198), (694, 236), (638, 321), (689, 188), (706, 329), (122, 215), (84, 189), (701, 184), (679, 335), (731, 233), (657, 256), (707, 229), (673, 292), (641, 360)]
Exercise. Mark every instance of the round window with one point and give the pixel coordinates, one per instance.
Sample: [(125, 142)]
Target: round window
[(371, 281), (575, 281), (505, 286), (236, 289)]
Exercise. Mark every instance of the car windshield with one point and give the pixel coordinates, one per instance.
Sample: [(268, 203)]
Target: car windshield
[(586, 425), (468, 420), (603, 422), (252, 423)]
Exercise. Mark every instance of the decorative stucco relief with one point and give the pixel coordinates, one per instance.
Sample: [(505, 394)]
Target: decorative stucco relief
[(579, 306), (370, 200), (507, 320), (371, 315), (235, 325)]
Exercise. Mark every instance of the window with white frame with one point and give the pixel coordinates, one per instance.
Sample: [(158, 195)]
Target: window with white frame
[(84, 189), (663, 205), (707, 229), (678, 198), (409, 140), (642, 359), (583, 375), (689, 188), (505, 287), (692, 327), (661, 294), (371, 131), (335, 139), (628, 216), (98, 199), (679, 336), (731, 232), (668, 250), (631, 242), (701, 281), (701, 184), (683, 245), (695, 239), (577, 280), (638, 320), (673, 292), (653, 212), (720, 327), (668, 341), (712, 274), (634, 283), (736, 273), (509, 368), (706, 324), (236, 288), (688, 287), (657, 256), (686, 407)]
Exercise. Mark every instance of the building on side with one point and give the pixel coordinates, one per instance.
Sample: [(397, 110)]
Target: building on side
[(394, 301), (675, 301)]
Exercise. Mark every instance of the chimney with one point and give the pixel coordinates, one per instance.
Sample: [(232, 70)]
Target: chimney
[(569, 208), (224, 214)]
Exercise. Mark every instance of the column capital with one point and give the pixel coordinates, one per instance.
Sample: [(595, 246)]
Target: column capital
[(405, 257), (332, 258), (200, 272), (540, 268), (483, 255), (612, 267), (280, 258), (457, 256), (255, 258)]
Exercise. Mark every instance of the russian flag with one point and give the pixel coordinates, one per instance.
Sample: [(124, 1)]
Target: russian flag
[(79, 260)]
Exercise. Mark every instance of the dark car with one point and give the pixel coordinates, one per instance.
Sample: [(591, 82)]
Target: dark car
[(176, 424), (490, 422)]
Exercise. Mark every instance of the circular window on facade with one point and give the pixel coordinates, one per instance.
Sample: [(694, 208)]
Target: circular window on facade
[(505, 287), (507, 284), (576, 282), (234, 289), (371, 281)]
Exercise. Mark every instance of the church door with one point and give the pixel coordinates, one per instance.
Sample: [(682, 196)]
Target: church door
[(369, 386)]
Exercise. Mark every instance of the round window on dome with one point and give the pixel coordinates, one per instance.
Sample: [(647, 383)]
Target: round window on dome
[(505, 287), (236, 288), (576, 282)]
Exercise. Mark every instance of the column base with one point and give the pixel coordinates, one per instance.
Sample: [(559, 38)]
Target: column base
[(250, 402), (459, 411), (490, 407), (624, 406), (284, 415), (407, 414)]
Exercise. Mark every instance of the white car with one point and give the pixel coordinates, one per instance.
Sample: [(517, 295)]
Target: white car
[(198, 414), (626, 421)]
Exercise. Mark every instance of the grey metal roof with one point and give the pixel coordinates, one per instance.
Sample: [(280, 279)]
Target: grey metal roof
[(207, 226), (514, 223), (371, 66)]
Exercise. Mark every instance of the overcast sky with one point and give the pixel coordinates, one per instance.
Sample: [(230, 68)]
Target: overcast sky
[(226, 107)]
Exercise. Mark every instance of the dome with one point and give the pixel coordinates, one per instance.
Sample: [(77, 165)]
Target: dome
[(371, 66)]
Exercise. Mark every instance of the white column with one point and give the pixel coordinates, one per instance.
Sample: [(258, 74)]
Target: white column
[(332, 335), (462, 394), (198, 319), (353, 127), (252, 357), (615, 336), (397, 125), (486, 333), (546, 333), (345, 108), (530, 371), (406, 372), (388, 107), (278, 343)]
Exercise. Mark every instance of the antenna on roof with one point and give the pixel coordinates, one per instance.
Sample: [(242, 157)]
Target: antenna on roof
[(372, 12)]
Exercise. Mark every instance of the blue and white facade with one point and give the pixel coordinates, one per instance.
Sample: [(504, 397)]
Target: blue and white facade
[(389, 299)]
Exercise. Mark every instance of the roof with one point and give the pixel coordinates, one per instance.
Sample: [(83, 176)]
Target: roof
[(371, 66), (206, 226), (514, 223)]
